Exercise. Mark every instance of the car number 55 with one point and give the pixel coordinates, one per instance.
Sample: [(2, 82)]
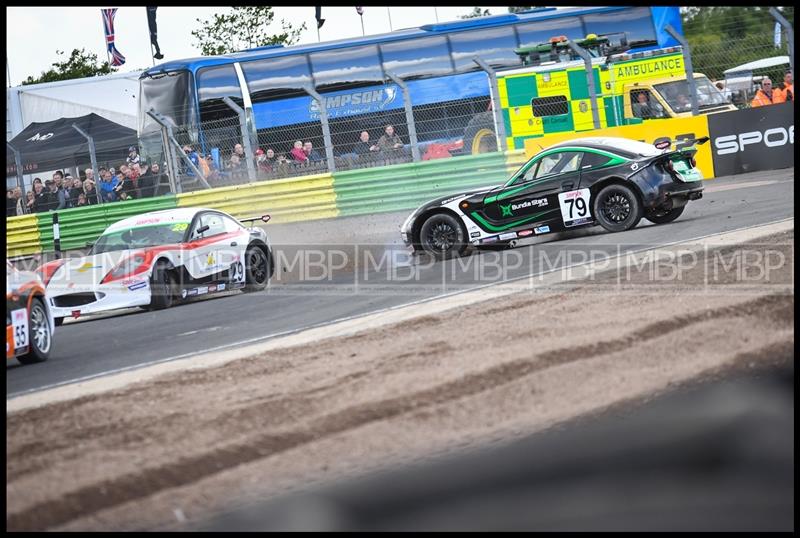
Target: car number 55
[(19, 319), (575, 207)]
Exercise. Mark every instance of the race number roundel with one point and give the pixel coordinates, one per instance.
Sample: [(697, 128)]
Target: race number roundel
[(575, 207)]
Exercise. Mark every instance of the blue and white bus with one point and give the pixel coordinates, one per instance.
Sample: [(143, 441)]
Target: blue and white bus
[(446, 86)]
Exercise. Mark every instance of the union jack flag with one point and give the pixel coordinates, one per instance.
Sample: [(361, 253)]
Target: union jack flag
[(117, 58)]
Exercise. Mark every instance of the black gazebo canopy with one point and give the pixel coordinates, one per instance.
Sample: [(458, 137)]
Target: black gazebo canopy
[(55, 145)]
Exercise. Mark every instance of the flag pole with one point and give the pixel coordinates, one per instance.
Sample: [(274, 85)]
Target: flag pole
[(390, 18), (362, 25), (436, 12)]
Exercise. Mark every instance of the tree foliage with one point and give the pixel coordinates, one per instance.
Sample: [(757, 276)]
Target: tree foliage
[(80, 64), (476, 12), (723, 37), (243, 27)]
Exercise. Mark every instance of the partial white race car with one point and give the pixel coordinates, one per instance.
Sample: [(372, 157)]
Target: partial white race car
[(155, 259)]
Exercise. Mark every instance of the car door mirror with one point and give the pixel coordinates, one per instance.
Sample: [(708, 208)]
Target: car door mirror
[(201, 230)]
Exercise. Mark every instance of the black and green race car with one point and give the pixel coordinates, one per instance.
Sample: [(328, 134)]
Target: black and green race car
[(613, 182)]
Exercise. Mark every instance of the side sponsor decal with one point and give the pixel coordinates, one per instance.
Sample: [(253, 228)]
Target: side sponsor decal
[(475, 234), (137, 286), (202, 290), (221, 287), (525, 233), (510, 235), (542, 229), (489, 239)]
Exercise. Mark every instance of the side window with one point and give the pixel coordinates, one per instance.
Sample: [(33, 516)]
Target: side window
[(549, 106), (213, 221), (558, 163), (231, 225), (637, 22), (495, 46), (593, 160), (213, 84), (421, 57)]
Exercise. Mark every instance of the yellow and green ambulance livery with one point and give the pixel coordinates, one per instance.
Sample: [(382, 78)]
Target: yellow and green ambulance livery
[(552, 96)]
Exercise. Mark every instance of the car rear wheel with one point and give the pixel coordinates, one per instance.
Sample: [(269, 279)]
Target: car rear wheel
[(40, 335), (617, 208), (443, 236), (256, 269), (663, 217), (162, 288)]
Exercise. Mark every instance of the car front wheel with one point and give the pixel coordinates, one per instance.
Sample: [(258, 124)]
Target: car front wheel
[(443, 236), (162, 288), (617, 208)]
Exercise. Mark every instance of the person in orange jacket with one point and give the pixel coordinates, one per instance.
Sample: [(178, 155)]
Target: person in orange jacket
[(786, 91), (765, 95)]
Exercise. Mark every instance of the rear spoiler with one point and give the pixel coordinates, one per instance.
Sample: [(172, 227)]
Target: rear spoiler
[(263, 218), (665, 144)]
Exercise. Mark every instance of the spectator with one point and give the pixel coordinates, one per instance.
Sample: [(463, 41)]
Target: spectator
[(20, 206), (389, 142), (56, 199), (363, 146), (40, 197), (124, 196), (108, 186), (785, 92), (238, 150), (273, 159), (129, 183), (210, 169), (262, 164), (30, 203), (726, 93), (764, 96), (684, 104), (39, 181), (297, 152), (148, 182), (237, 165), (194, 157), (58, 178), (11, 203), (90, 192), (311, 153), (81, 201), (89, 174), (133, 156), (646, 108), (75, 191)]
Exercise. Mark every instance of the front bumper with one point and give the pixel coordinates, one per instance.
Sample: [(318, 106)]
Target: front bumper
[(75, 302)]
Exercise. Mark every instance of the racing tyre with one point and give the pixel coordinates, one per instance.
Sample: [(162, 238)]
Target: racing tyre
[(479, 134), (256, 269), (443, 236), (617, 208), (41, 337), (162, 288), (663, 217)]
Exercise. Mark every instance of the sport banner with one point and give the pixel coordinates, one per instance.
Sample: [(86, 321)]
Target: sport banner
[(753, 139)]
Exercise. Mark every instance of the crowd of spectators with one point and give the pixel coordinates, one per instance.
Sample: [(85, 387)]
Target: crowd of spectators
[(132, 180), (136, 179)]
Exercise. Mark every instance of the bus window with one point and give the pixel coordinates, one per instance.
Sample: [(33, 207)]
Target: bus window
[(550, 106), (536, 33), (214, 83), (495, 46), (276, 77), (415, 58), (341, 66), (169, 94), (637, 23)]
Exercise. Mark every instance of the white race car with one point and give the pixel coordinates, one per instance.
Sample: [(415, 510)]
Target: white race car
[(155, 259)]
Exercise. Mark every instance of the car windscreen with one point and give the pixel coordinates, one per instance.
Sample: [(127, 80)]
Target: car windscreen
[(140, 237), (676, 94)]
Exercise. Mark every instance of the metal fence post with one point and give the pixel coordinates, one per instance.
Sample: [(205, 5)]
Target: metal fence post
[(162, 121), (248, 148), (326, 129), (56, 236), (494, 95), (20, 179), (412, 127), (687, 59), (92, 157), (789, 34), (587, 60)]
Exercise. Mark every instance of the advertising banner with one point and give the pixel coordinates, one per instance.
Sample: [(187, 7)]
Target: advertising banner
[(754, 139)]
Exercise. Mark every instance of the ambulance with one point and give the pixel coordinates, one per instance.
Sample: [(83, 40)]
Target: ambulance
[(550, 93)]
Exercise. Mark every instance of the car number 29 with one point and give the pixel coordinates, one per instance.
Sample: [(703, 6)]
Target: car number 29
[(575, 207), (237, 272), (19, 319)]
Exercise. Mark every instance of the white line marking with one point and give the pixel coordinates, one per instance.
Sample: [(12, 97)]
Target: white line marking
[(114, 379)]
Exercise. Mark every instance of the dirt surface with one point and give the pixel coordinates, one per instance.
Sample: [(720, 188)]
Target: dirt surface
[(172, 452)]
